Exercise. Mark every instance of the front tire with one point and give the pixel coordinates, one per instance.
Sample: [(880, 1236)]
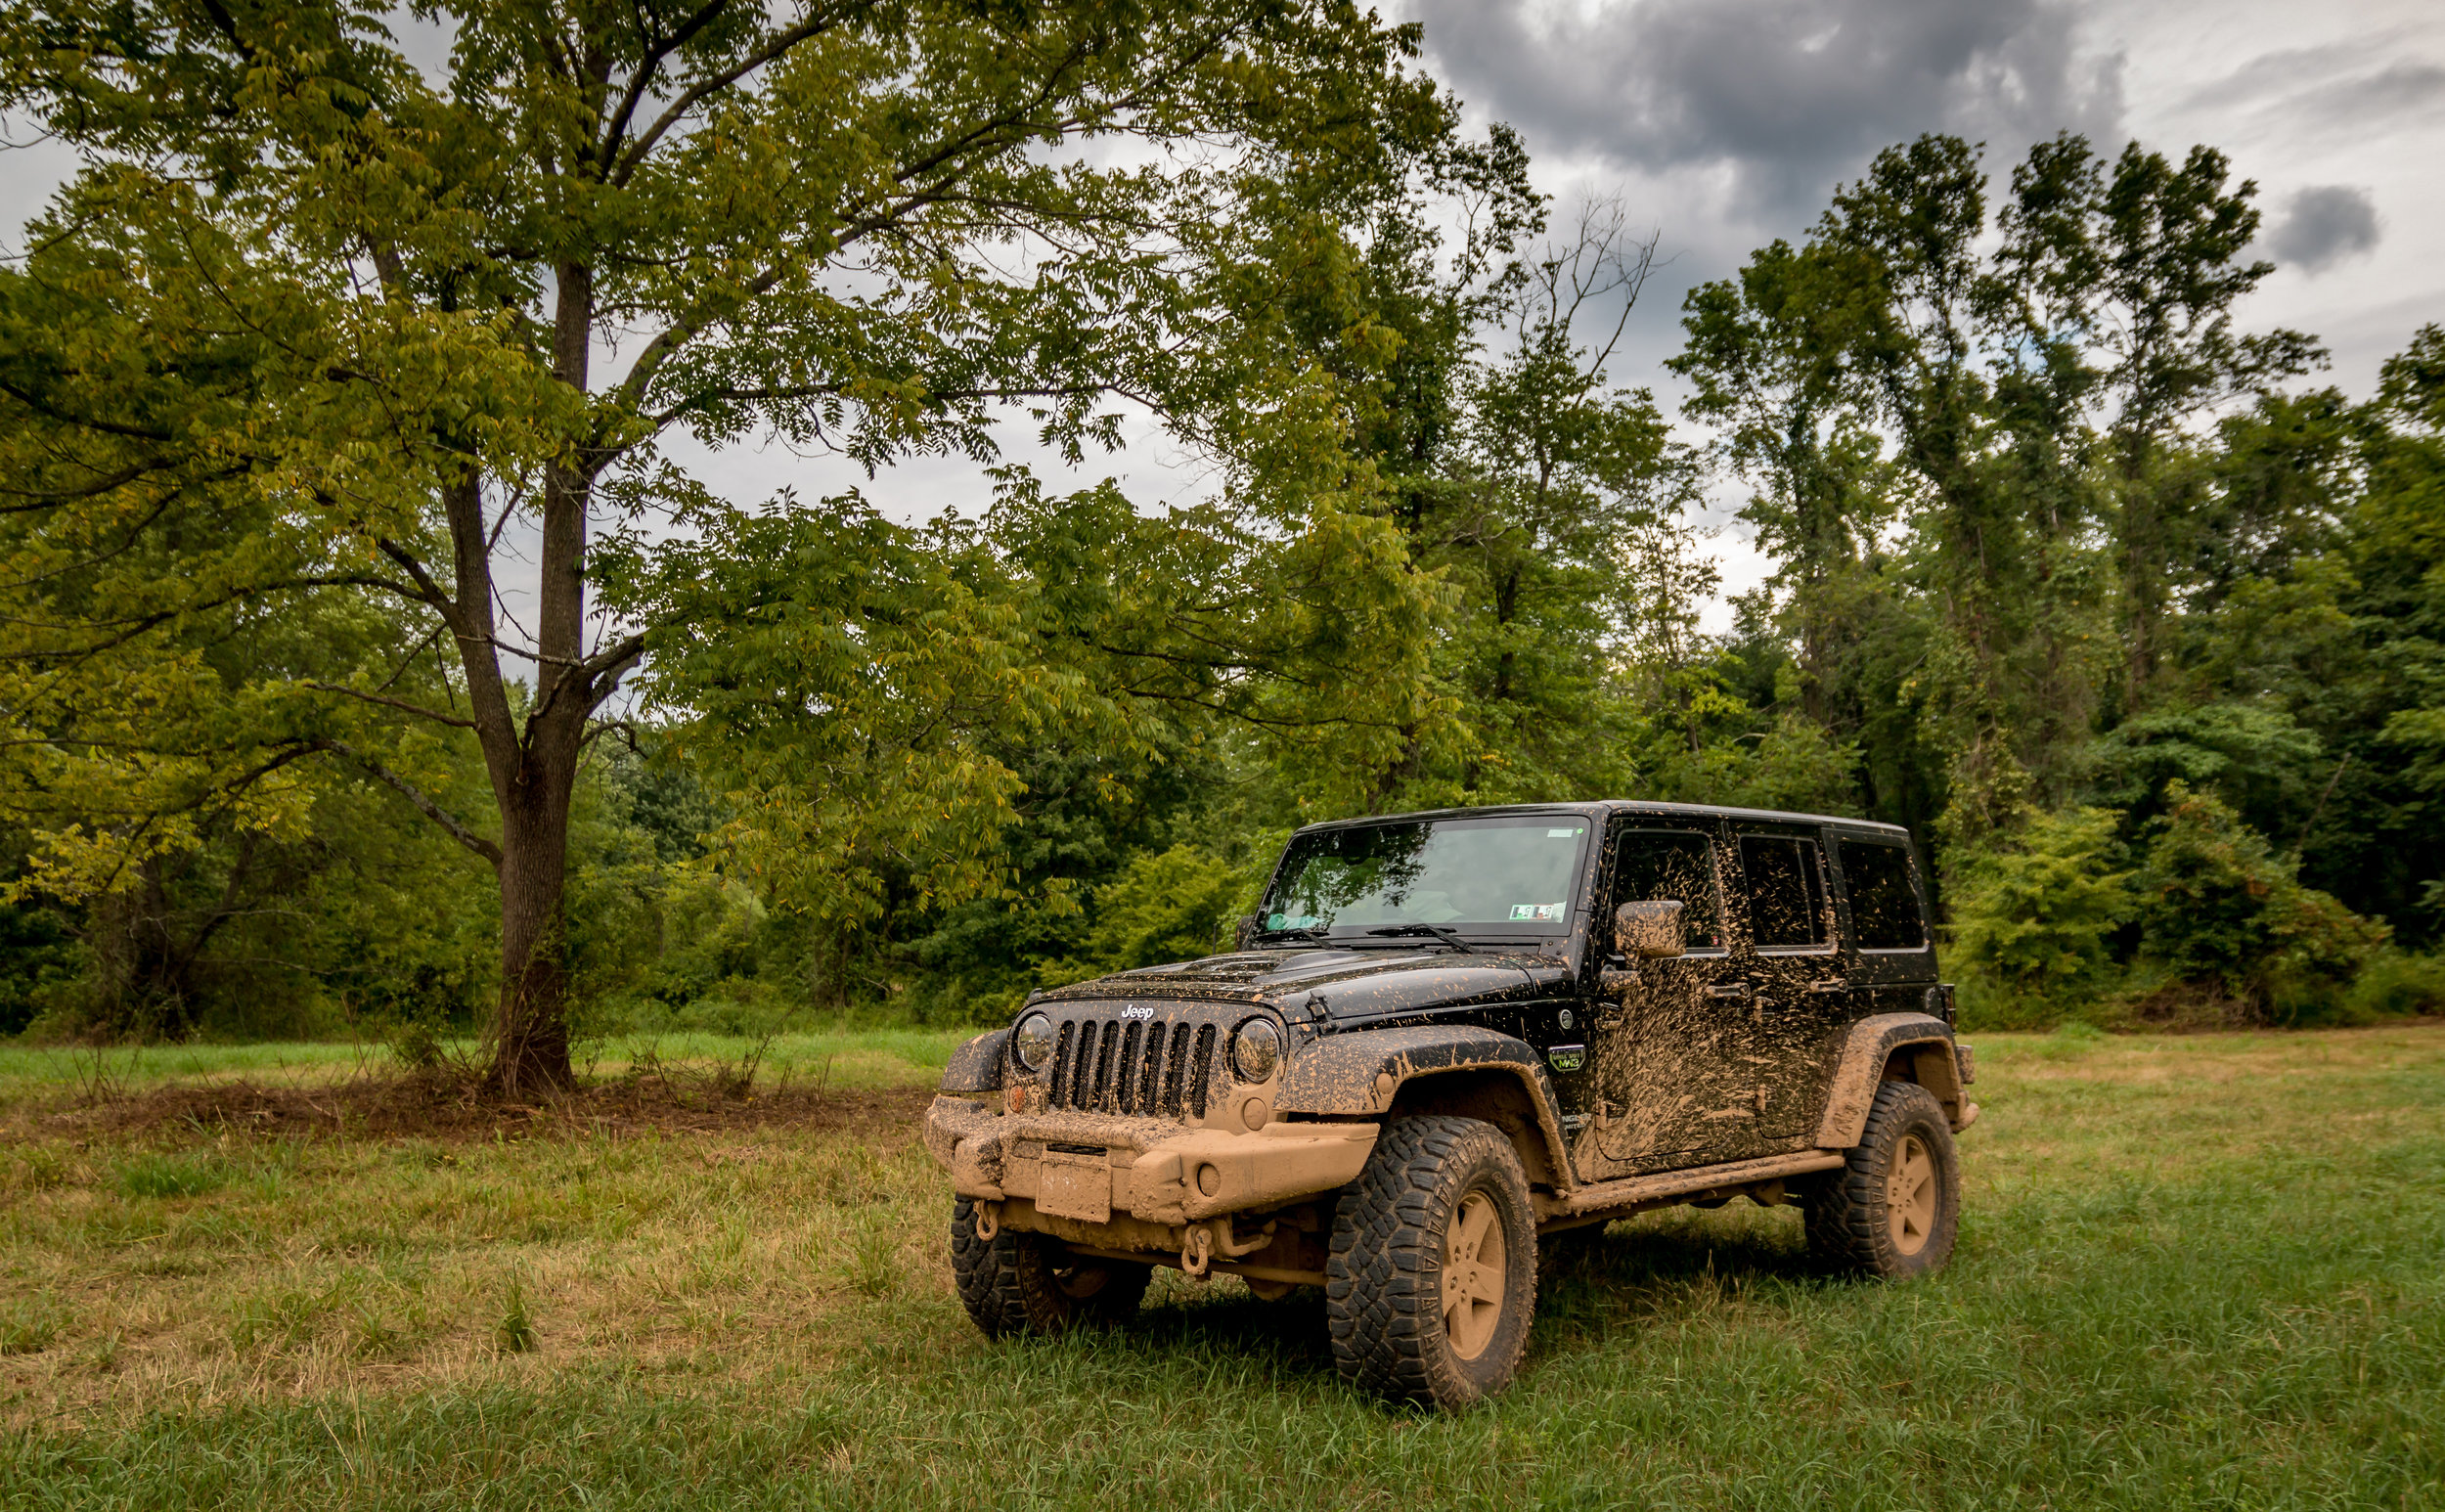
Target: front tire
[(1894, 1209), (1433, 1275), (1026, 1284)]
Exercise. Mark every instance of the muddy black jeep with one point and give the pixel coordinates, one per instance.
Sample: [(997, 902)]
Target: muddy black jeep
[(1449, 1036)]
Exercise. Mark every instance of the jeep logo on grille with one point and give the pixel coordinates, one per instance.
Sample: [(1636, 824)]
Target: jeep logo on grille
[(1139, 1010)]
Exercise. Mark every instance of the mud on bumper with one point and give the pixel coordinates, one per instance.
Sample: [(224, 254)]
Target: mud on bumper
[(1097, 1170)]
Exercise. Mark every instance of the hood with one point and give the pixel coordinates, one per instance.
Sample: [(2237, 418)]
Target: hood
[(1340, 983)]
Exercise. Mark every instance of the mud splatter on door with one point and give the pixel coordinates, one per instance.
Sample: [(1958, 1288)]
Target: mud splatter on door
[(1790, 960), (1661, 1051)]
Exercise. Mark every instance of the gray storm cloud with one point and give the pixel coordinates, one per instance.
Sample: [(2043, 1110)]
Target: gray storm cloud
[(1786, 95), (2341, 86), (2322, 226)]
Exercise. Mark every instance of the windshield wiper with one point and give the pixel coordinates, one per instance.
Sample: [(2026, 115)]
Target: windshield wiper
[(1319, 936), (1443, 932)]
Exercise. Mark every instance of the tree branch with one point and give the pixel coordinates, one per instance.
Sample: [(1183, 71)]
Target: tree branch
[(425, 806), (607, 156), (815, 26), (102, 485), (427, 590), (396, 703), (106, 428), (605, 669)]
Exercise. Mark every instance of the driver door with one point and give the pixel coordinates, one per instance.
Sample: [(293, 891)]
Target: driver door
[(1650, 1047)]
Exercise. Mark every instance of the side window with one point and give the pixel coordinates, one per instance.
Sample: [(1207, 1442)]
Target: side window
[(1884, 906), (1786, 893), (1679, 865)]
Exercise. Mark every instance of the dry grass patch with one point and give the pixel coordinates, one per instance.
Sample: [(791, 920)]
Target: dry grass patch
[(194, 1245)]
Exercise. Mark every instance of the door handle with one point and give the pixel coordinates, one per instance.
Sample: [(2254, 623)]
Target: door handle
[(1829, 988), (1729, 990)]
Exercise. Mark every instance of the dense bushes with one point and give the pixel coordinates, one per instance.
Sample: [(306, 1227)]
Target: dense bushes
[(2218, 905), (2037, 919), (2194, 918)]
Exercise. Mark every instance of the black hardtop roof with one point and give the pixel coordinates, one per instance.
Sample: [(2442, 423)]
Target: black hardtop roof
[(1601, 806)]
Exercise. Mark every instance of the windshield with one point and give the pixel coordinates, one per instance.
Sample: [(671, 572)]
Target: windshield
[(1510, 876)]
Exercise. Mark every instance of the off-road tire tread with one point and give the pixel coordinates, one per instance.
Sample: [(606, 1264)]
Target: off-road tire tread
[(1006, 1283), (1387, 1236), (1843, 1211)]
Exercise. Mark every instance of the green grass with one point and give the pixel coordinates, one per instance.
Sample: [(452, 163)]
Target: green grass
[(848, 1057), (844, 1058), (2193, 1272)]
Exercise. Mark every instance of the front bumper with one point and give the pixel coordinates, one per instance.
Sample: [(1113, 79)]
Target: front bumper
[(1095, 1168)]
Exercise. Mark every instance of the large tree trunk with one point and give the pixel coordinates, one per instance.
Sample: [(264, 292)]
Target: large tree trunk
[(530, 1032), (533, 762)]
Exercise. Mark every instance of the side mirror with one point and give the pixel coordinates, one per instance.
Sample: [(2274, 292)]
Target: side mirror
[(1649, 930), (1245, 930)]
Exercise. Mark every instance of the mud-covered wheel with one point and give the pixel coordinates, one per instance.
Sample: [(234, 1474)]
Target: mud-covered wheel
[(1431, 1281), (1894, 1209), (1024, 1283)]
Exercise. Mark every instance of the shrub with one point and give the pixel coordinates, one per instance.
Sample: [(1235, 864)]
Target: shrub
[(2033, 922), (2395, 985), (1163, 906), (2217, 904)]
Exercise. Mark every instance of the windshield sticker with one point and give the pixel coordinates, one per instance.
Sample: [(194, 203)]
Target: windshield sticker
[(1292, 921), (1535, 912), (1566, 834)]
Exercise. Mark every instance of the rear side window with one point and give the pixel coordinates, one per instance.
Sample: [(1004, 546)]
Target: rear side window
[(1884, 905), (1676, 864), (1786, 892)]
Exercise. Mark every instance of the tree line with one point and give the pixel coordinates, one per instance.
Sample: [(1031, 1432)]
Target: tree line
[(375, 658)]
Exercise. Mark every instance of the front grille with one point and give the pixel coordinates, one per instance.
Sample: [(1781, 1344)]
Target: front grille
[(1159, 1066)]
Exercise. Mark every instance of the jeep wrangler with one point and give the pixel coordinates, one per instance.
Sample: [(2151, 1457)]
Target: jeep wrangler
[(1449, 1036)]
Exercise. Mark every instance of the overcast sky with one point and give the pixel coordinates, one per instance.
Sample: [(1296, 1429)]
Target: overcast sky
[(1725, 123)]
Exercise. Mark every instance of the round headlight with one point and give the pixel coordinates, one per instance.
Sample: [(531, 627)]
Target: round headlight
[(1255, 1050), (1031, 1044)]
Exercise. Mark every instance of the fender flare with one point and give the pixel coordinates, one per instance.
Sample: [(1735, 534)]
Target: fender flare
[(1867, 1050), (976, 1065), (1361, 1071)]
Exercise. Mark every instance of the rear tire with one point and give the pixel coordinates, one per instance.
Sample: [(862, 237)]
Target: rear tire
[(1026, 1284), (1433, 1276), (1894, 1210)]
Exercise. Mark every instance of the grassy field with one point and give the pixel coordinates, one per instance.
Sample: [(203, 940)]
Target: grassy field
[(2197, 1272), (34, 1075)]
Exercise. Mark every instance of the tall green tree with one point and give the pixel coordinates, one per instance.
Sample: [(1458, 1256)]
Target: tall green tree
[(405, 325), (1521, 476), (1554, 471), (2015, 390)]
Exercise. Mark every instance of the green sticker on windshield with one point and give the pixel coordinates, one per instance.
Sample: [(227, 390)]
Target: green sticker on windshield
[(1535, 912)]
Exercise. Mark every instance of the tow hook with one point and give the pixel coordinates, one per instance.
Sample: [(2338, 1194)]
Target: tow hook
[(986, 1216), (1213, 1238)]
